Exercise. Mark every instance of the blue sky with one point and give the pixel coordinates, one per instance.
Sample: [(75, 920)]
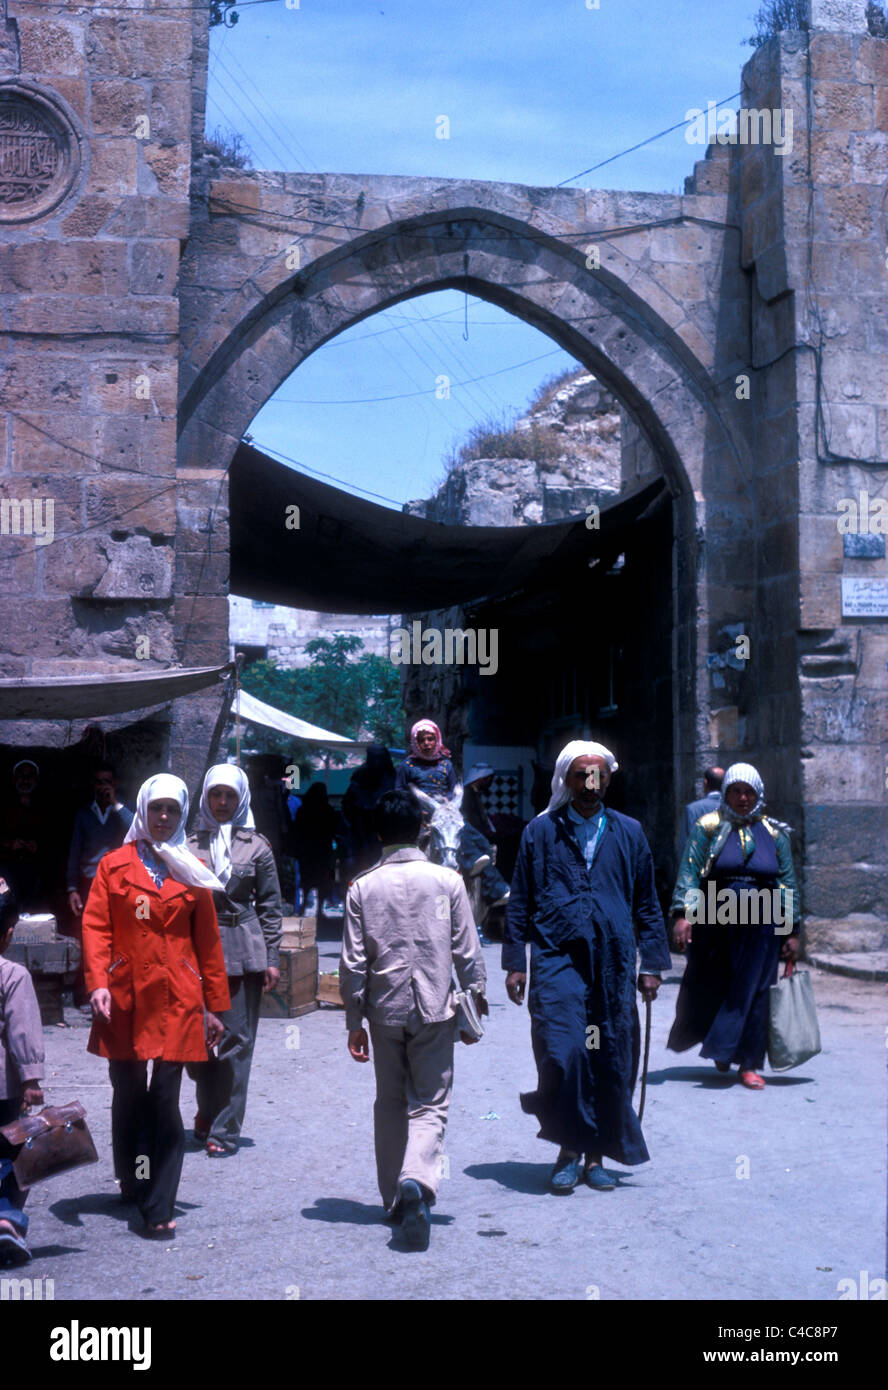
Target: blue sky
[(534, 93)]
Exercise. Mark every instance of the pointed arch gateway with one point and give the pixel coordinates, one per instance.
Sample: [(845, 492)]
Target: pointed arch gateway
[(618, 323)]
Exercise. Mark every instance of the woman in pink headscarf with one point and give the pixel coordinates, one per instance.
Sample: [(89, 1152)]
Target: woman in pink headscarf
[(427, 766)]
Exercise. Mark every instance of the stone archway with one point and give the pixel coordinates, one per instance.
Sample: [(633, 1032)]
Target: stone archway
[(615, 320)]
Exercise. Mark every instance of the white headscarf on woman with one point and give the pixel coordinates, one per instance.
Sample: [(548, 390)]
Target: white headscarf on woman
[(224, 775), (579, 748), (742, 772), (182, 865)]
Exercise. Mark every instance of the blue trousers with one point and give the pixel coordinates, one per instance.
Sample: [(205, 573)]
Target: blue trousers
[(12, 1197)]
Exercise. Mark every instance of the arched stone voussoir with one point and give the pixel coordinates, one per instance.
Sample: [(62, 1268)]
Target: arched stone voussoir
[(599, 316)]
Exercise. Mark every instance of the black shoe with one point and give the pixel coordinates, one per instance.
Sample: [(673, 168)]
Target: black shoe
[(13, 1249), (416, 1220), (565, 1175)]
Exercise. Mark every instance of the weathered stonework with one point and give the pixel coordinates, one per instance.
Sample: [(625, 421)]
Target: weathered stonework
[(155, 307)]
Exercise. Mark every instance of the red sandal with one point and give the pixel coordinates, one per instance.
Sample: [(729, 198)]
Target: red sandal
[(752, 1080)]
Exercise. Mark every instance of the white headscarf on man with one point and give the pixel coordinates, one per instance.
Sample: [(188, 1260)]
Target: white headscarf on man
[(183, 866), (225, 775), (579, 748)]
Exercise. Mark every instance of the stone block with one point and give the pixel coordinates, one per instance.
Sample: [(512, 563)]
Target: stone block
[(880, 108), (852, 375), (849, 213), (126, 505), (154, 266), (858, 932), (51, 47), (136, 569), (139, 47), (229, 193), (836, 17), (845, 834), (873, 659), (832, 56), (841, 892), (872, 61), (60, 442), (202, 574), (821, 601), (840, 106), (76, 267), (118, 107), (39, 625), (88, 217), (170, 113), (851, 431), (18, 571), (42, 383), (820, 545), (830, 158), (869, 158), (119, 385), (170, 167), (846, 772), (114, 166), (152, 216)]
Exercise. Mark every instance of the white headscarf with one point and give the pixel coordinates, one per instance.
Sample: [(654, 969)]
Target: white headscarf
[(224, 775), (742, 772), (577, 749), (183, 866)]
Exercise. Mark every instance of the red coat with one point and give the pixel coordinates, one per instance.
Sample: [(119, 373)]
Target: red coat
[(158, 951)]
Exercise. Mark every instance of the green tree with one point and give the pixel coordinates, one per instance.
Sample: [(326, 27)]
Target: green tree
[(344, 689)]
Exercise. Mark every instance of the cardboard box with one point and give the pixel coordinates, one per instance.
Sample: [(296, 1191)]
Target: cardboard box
[(297, 987), (298, 932), (38, 928), (328, 991)]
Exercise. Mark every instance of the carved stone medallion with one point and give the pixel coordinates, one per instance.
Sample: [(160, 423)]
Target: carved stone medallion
[(39, 152)]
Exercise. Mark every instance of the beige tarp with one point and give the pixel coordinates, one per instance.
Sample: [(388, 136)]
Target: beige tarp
[(258, 712), (91, 697)]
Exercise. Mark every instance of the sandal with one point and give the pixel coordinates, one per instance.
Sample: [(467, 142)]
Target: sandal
[(162, 1230), (752, 1080), (217, 1150)]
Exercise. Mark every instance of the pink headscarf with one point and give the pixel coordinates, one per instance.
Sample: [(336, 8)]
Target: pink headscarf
[(423, 726)]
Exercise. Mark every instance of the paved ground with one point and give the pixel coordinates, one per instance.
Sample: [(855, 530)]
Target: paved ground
[(296, 1214)]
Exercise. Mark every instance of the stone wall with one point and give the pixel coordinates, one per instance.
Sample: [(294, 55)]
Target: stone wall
[(89, 374)]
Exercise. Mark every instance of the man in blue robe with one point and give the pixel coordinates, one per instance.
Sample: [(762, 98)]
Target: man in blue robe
[(583, 884)]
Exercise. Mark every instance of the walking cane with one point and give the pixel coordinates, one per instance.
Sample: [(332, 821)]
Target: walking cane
[(647, 1053)]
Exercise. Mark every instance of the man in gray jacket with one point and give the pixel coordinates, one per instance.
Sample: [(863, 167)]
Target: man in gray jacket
[(21, 1069), (408, 923)]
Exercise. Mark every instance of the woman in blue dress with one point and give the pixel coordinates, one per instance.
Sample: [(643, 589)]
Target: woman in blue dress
[(736, 909)]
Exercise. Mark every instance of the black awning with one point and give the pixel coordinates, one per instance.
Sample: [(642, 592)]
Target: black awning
[(352, 556)]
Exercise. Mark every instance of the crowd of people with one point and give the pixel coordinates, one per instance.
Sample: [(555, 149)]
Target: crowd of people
[(181, 934)]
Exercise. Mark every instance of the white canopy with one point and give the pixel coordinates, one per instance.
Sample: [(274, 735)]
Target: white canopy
[(258, 712)]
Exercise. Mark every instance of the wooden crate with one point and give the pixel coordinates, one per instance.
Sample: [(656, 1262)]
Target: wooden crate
[(296, 990), (48, 989)]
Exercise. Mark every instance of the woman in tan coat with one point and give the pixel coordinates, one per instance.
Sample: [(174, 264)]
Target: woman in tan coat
[(154, 969)]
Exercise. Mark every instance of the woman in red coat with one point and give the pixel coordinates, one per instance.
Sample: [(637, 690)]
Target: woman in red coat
[(155, 973)]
